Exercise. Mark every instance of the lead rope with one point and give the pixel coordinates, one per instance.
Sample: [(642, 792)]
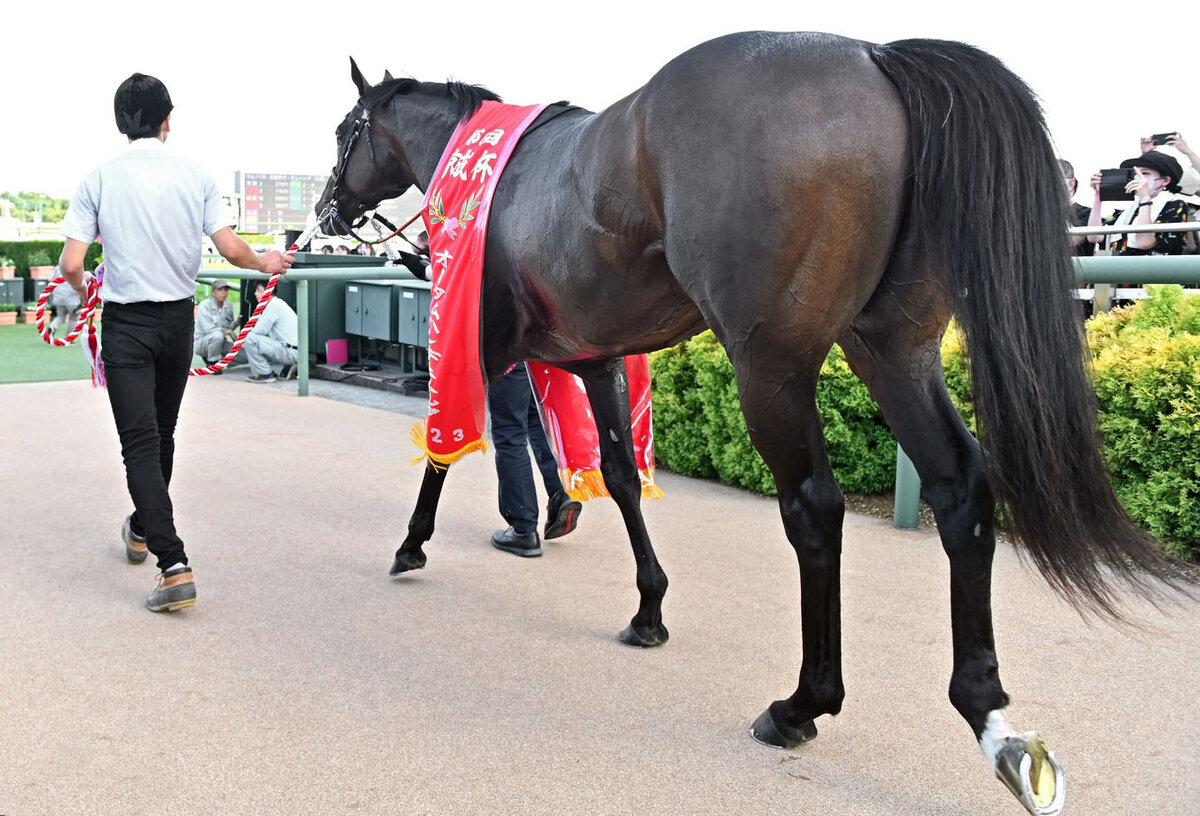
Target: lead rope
[(92, 348)]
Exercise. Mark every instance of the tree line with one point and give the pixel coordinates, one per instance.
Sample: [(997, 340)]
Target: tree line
[(26, 206)]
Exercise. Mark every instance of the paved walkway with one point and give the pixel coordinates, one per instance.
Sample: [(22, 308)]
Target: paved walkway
[(305, 681)]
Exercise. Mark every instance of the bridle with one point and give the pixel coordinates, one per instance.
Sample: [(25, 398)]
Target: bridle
[(360, 127)]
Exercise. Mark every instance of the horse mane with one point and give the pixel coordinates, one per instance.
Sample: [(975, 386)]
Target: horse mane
[(466, 98)]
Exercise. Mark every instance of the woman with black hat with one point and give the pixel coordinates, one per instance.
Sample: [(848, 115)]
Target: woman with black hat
[(1153, 186)]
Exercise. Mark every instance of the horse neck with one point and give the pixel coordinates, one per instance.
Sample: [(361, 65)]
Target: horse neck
[(418, 127)]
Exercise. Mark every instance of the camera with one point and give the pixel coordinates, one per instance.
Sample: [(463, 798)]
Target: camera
[(1112, 184), (1161, 138)]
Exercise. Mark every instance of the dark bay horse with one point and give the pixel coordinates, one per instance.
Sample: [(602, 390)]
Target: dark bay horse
[(792, 191)]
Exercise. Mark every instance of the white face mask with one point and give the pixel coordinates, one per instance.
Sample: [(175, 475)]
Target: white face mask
[(1152, 185)]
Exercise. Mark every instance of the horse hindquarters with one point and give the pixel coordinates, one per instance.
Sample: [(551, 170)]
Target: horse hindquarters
[(608, 393)]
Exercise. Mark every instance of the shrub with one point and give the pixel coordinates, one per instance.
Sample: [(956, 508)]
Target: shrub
[(21, 254), (39, 258), (1146, 377), (700, 430), (726, 439), (957, 372), (679, 414), (1147, 381)]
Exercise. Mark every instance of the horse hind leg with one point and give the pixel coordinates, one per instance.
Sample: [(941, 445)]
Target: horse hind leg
[(783, 423), (608, 393), (899, 359)]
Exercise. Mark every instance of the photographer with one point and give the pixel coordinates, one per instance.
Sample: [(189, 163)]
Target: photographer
[(1176, 147), (1153, 186)]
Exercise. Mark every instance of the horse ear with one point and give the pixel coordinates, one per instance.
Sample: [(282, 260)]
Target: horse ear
[(359, 81), (387, 76)]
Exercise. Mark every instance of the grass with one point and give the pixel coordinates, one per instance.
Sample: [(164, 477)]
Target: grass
[(26, 357)]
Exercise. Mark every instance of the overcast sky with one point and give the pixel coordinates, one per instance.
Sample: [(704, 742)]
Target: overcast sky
[(262, 91)]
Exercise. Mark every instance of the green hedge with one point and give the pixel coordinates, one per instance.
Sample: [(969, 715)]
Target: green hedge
[(21, 251), (699, 429), (1146, 377)]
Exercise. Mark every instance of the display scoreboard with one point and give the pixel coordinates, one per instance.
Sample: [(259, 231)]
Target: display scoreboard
[(277, 201)]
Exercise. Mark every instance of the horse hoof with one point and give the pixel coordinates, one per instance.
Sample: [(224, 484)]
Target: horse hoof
[(632, 636), (1032, 773), (406, 561), (776, 735)]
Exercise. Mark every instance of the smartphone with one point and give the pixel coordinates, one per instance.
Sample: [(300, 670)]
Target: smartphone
[(1162, 138), (1112, 184)]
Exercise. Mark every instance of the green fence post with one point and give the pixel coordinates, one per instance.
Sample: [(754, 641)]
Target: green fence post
[(302, 351), (906, 512)]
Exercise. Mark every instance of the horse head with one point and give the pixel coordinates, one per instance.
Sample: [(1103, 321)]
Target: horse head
[(391, 140)]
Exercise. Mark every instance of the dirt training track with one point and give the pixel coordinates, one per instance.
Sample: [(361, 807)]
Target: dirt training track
[(305, 681)]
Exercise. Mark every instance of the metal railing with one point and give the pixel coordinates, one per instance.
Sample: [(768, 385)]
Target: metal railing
[(320, 268), (1101, 270)]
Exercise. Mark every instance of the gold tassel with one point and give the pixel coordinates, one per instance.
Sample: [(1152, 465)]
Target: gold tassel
[(584, 485), (440, 461), (649, 489)]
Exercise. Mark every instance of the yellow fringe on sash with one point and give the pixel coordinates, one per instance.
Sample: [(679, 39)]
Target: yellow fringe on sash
[(583, 485), (417, 433)]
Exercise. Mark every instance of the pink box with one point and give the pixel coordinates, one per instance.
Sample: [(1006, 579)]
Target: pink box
[(336, 352)]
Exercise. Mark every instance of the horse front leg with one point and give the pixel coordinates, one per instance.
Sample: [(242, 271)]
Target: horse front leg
[(420, 525), (608, 393)]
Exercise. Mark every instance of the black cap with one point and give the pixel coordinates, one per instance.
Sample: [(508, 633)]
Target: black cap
[(141, 105), (1160, 163)]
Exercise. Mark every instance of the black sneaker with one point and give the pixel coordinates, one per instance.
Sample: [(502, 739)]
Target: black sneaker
[(175, 590), (525, 545), (288, 373), (262, 378), (562, 514), (135, 545)]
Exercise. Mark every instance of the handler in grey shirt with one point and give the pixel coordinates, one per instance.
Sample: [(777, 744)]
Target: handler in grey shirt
[(152, 208), (216, 328)]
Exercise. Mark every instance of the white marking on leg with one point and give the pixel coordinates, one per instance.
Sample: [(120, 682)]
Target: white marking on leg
[(978, 529), (994, 734)]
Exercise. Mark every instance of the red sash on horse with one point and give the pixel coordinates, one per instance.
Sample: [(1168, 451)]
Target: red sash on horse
[(571, 430), (455, 210)]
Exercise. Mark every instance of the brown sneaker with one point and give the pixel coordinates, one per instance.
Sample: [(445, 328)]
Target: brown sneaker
[(135, 545), (175, 590)]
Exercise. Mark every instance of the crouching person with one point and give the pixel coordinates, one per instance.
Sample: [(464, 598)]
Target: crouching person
[(215, 325), (271, 346)]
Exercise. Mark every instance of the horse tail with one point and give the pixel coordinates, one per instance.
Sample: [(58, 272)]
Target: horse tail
[(988, 204)]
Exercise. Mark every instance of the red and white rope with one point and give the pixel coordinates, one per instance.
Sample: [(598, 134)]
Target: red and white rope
[(85, 314), (93, 301)]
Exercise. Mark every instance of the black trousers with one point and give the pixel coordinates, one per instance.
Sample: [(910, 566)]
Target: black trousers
[(515, 423), (147, 350)]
